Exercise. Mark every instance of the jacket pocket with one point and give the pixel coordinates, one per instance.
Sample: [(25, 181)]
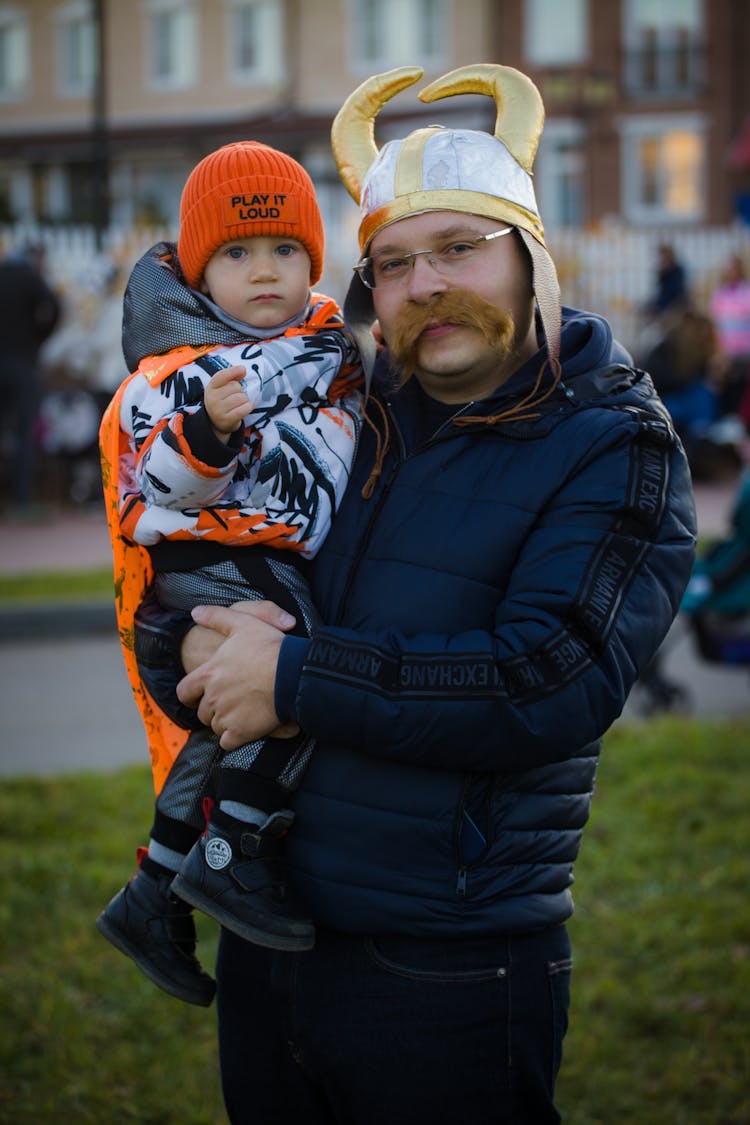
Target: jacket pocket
[(473, 824)]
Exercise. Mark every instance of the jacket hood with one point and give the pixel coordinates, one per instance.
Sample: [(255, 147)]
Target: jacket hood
[(159, 309), (588, 343)]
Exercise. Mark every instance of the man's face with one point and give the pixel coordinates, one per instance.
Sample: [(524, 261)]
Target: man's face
[(457, 362)]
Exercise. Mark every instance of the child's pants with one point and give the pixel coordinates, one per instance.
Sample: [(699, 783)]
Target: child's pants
[(261, 773)]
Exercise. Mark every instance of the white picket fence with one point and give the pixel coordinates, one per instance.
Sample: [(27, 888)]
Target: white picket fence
[(610, 270)]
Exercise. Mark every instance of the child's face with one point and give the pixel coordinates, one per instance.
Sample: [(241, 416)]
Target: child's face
[(262, 280)]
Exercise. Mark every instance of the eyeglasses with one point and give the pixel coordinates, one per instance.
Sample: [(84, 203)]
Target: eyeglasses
[(447, 259)]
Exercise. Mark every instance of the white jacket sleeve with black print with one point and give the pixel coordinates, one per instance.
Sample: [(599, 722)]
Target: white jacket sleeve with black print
[(281, 480)]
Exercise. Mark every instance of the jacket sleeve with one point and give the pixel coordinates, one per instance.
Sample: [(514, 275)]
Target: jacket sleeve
[(182, 463), (594, 589), (177, 459), (280, 479)]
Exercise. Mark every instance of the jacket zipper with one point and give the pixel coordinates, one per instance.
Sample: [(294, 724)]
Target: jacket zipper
[(449, 421), (462, 871), (384, 495), (354, 570)]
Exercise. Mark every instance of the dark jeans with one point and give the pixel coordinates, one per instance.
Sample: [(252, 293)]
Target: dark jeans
[(20, 394), (394, 1030)]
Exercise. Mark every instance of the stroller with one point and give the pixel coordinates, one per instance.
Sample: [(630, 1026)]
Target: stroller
[(717, 600), (715, 610), (68, 439)]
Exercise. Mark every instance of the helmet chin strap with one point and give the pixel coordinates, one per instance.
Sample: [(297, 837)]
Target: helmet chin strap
[(547, 293)]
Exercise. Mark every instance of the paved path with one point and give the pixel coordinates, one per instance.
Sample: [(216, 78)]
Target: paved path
[(65, 700), (67, 705), (62, 540)]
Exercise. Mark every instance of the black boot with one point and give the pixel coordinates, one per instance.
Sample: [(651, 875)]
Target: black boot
[(148, 923), (235, 875)]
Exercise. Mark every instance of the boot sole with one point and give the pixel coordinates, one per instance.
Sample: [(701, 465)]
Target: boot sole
[(254, 934), (203, 999)]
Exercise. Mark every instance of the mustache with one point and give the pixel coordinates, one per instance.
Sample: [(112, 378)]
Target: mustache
[(454, 306)]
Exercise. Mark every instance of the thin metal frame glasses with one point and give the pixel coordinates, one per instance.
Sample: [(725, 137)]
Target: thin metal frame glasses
[(375, 272)]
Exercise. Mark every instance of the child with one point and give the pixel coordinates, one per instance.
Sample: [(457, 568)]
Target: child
[(235, 436)]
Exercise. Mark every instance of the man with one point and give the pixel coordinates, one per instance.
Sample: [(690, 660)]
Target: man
[(510, 553), (29, 313), (671, 292), (730, 310)]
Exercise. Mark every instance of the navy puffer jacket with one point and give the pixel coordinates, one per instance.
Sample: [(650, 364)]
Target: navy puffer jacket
[(488, 610)]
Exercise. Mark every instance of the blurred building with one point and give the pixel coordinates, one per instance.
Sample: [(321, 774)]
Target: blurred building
[(106, 104)]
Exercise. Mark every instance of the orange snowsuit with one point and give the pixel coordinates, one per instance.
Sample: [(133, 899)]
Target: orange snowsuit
[(133, 570)]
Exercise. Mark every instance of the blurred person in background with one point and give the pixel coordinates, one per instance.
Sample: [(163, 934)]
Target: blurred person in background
[(684, 368), (29, 313), (671, 291), (669, 298), (730, 308)]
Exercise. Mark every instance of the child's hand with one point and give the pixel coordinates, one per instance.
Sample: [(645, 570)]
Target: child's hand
[(226, 402)]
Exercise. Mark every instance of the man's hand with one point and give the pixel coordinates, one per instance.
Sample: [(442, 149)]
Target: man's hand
[(201, 642), (198, 645), (233, 686)]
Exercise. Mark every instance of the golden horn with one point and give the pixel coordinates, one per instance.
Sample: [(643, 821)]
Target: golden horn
[(520, 110), (353, 129)]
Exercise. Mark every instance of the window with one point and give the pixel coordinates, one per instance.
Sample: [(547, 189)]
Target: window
[(663, 47), (255, 34), (390, 33), (148, 193), (560, 175), (56, 204), (16, 195), (556, 32), (14, 54), (172, 43), (76, 50), (664, 160)]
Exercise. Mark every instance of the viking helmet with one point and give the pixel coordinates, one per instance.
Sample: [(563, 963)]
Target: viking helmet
[(439, 169)]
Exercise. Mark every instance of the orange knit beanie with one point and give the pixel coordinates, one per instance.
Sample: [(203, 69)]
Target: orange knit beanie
[(245, 189)]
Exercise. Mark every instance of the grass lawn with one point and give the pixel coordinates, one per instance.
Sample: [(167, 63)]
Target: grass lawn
[(660, 1019), (660, 1024), (58, 585), (84, 1036)]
